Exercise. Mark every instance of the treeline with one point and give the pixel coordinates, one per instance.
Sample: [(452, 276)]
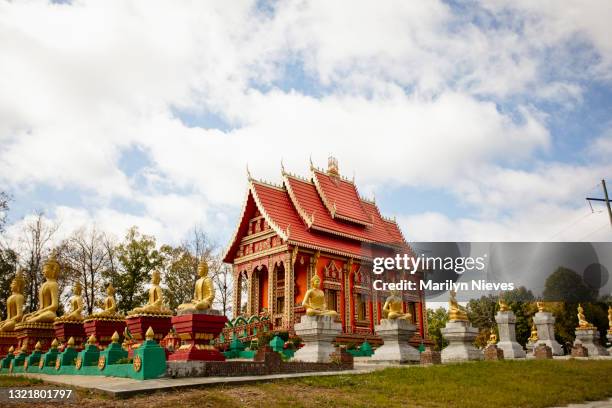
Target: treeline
[(563, 283), (95, 258)]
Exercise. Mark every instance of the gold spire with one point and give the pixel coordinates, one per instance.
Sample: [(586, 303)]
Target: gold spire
[(11, 349), (115, 337), (38, 346), (70, 342), (54, 343), (92, 339), (150, 335)]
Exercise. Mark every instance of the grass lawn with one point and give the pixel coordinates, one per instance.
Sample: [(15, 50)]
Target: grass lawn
[(541, 383)]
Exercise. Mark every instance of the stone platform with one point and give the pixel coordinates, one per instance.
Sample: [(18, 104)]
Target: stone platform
[(589, 338), (506, 323), (317, 332), (395, 334), (460, 335), (545, 324)]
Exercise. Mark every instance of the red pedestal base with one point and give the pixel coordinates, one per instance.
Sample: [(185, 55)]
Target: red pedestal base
[(65, 330), (31, 333), (139, 324), (196, 331), (7, 340), (103, 329)]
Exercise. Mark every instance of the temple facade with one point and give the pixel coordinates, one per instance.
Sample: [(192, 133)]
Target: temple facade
[(315, 225)]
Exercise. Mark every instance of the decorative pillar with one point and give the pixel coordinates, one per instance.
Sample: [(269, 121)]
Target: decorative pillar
[(249, 308), (289, 291), (236, 292), (271, 288)]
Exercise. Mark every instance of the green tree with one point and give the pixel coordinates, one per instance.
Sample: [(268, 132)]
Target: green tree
[(565, 285), (481, 313), (137, 257), (436, 320), (8, 267), (521, 302)]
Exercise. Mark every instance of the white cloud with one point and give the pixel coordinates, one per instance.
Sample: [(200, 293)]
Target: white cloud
[(407, 97)]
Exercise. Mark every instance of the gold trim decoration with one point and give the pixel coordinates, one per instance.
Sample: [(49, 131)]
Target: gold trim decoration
[(101, 362), (137, 363)]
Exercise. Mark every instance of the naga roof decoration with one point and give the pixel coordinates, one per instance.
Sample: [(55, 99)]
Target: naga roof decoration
[(324, 213)]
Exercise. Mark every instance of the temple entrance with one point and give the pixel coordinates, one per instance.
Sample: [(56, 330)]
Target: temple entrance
[(279, 294), (262, 293)]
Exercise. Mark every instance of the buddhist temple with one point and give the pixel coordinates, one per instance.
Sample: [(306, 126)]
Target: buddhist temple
[(315, 225)]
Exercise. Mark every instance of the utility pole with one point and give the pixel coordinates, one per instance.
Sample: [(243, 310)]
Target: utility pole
[(606, 199)]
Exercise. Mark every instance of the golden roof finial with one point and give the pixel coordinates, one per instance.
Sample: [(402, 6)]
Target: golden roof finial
[(91, 340), (248, 172), (332, 166), (150, 335), (115, 337), (38, 346), (70, 342), (54, 343)]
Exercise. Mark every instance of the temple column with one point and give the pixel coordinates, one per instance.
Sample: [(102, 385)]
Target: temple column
[(249, 308), (289, 291), (271, 288), (236, 292)]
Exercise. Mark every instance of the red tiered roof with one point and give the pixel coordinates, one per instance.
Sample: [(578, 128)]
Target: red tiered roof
[(298, 213)]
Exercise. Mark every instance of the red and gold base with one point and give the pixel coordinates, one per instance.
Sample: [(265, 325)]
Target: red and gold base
[(138, 325), (31, 333), (103, 329), (7, 340), (196, 331), (64, 330)]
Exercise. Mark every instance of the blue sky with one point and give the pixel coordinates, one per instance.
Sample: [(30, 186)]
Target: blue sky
[(466, 121)]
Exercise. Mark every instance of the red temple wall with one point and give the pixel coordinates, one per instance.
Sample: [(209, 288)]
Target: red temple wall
[(263, 289), (301, 281)]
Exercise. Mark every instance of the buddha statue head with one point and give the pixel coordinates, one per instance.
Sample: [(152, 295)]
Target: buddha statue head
[(203, 268), (110, 290), (52, 268), (155, 277), (396, 293), (315, 282), (77, 289), (18, 283)]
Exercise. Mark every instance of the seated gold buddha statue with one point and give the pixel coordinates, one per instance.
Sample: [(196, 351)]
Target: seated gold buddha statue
[(155, 305), (503, 306), (109, 305), (48, 297), (582, 322), (204, 292), (610, 319), (393, 307), (455, 311), (534, 333), (76, 305), (314, 300), (541, 306), (14, 304)]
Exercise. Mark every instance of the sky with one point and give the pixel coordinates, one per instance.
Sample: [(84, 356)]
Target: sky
[(466, 121)]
